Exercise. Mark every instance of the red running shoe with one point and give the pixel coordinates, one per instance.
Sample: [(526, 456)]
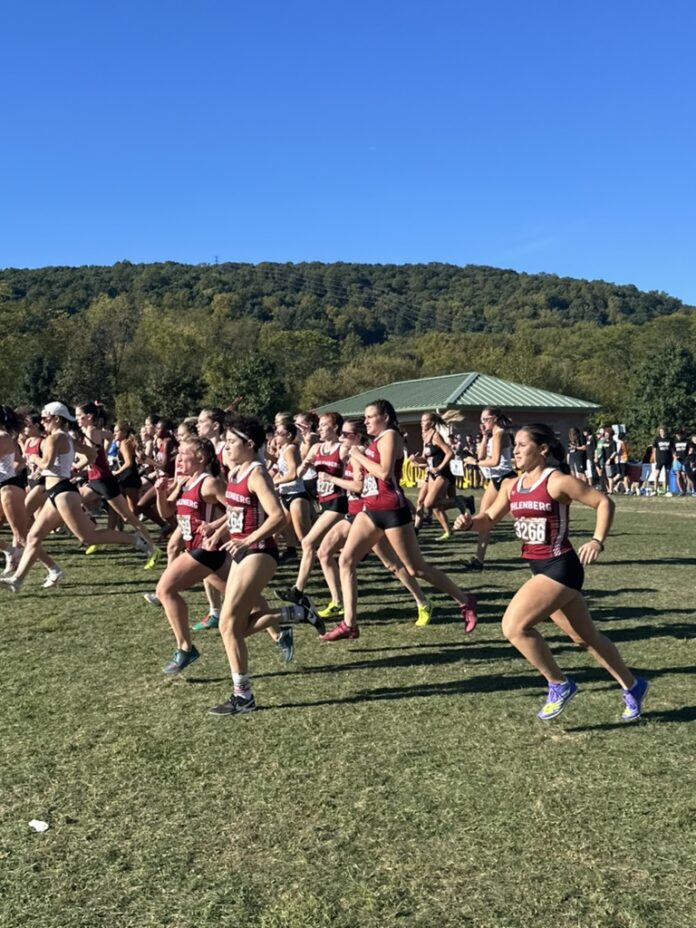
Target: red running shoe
[(469, 614), (341, 631)]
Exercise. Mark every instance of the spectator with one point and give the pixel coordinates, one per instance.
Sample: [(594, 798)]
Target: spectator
[(664, 455), (681, 448)]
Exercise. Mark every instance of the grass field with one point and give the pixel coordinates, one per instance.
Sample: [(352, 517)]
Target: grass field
[(398, 780)]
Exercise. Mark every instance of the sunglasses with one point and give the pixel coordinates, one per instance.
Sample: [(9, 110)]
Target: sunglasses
[(348, 434)]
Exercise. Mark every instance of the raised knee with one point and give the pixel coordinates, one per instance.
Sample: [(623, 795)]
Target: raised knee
[(510, 628)]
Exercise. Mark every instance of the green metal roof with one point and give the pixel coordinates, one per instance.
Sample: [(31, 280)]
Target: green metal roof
[(467, 390)]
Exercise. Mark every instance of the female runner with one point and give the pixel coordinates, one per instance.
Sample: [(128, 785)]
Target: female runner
[(101, 482), (288, 483), (495, 463), (126, 471), (326, 459), (539, 500), (36, 487), (386, 515), (307, 425), (13, 499), (435, 494), (353, 435), (194, 502), (63, 505), (254, 514), (211, 425)]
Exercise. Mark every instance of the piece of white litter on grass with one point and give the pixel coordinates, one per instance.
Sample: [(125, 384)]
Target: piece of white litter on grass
[(37, 825)]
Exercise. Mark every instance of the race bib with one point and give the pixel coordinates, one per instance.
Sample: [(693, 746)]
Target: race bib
[(370, 486), (235, 520), (533, 531), (185, 527), (324, 487)]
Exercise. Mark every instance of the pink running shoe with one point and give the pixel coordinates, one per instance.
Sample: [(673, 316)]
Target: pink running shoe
[(469, 614), (341, 631)]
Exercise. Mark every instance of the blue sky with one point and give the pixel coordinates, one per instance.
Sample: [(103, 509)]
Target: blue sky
[(539, 136)]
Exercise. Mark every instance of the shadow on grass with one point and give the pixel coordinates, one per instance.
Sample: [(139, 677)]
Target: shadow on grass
[(684, 715)]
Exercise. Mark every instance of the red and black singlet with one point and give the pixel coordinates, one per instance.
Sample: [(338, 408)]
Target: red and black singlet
[(355, 500), (328, 463), (220, 454), (378, 493), (541, 522), (192, 511), (99, 469), (244, 512)]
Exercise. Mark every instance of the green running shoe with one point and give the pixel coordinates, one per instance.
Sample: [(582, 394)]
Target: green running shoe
[(333, 609), (425, 614), (181, 660), (210, 621), (93, 549)]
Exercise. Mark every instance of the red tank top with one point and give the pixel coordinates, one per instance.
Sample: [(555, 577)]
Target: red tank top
[(244, 512), (224, 469), (192, 511), (378, 493), (329, 463), (541, 522), (355, 501), (32, 446), (100, 469)]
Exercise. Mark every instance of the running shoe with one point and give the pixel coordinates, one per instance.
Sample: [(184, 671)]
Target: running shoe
[(235, 705), (181, 660), (557, 699), (12, 558), (152, 600), (153, 560), (208, 622), (341, 631), (634, 700), (312, 617), (53, 578), (141, 543), (331, 611), (13, 584), (92, 549), (469, 614), (465, 504), (286, 644), (425, 614), (444, 537), (293, 595), (472, 565)]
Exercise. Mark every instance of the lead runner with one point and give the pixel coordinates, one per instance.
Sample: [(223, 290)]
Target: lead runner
[(539, 500)]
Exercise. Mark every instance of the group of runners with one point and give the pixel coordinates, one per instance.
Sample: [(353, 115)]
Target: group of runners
[(224, 490)]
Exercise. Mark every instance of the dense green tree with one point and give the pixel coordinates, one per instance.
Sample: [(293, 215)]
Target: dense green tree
[(664, 390)]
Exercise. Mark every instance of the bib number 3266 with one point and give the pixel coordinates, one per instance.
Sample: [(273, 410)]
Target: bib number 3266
[(533, 531)]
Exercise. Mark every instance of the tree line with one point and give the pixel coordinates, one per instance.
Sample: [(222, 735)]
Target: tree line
[(169, 337)]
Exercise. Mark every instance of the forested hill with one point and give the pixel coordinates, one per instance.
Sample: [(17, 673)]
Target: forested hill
[(168, 338), (372, 301)]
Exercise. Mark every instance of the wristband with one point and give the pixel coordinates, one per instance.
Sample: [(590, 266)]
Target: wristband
[(600, 543)]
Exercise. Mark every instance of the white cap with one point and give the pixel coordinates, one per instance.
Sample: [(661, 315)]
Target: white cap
[(57, 409)]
